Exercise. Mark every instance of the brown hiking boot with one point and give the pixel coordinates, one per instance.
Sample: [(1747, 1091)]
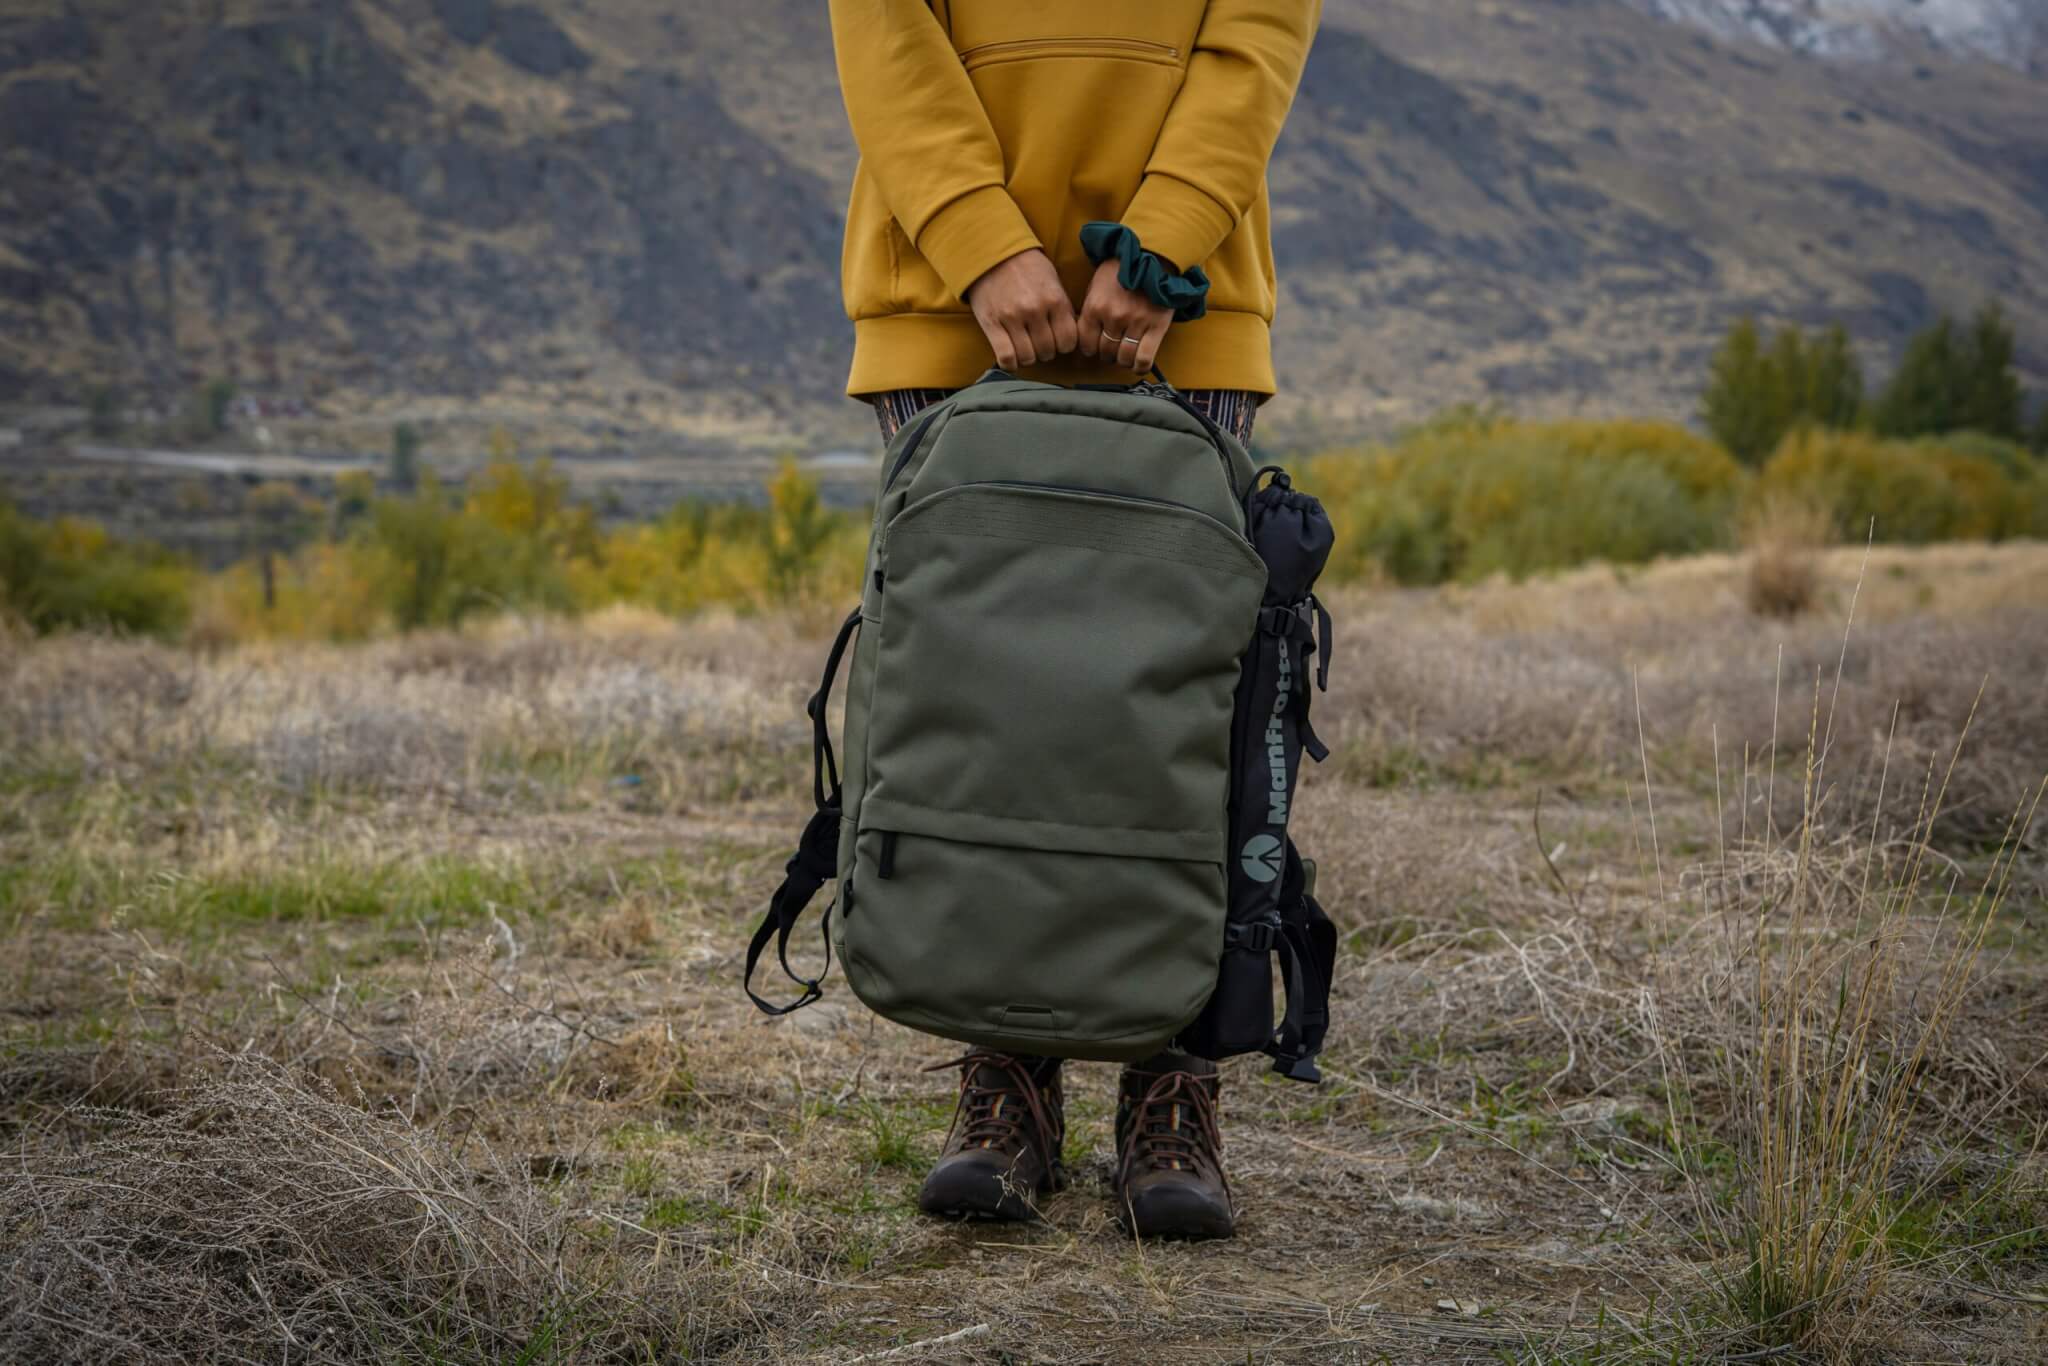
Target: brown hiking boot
[(1169, 1170), (1004, 1147)]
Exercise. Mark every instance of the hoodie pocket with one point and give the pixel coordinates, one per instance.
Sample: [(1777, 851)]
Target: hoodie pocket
[(1032, 49)]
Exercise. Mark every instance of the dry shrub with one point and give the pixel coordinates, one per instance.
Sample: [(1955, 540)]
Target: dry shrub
[(1783, 534), (643, 1066), (628, 928), (260, 1218), (494, 1029), (119, 1073)]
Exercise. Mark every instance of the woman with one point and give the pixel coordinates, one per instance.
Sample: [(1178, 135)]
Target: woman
[(1017, 158)]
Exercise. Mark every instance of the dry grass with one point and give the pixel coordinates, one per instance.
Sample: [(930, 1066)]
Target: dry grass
[(328, 972), (1860, 971), (1784, 535), (262, 1217)]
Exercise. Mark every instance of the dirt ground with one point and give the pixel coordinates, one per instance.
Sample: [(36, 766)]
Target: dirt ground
[(477, 903)]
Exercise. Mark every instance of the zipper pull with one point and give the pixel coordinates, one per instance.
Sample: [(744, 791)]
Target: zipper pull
[(885, 863)]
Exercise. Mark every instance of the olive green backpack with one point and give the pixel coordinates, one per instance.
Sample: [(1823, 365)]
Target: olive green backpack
[(1032, 830)]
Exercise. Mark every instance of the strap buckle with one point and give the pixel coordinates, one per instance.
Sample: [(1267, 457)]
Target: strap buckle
[(1258, 936)]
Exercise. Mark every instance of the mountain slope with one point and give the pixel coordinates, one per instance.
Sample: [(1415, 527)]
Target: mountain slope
[(2008, 31), (624, 217)]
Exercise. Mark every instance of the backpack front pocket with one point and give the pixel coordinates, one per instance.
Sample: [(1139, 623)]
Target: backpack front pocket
[(1049, 734), (1066, 658)]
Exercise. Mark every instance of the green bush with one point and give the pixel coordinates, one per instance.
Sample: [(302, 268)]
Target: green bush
[(502, 548), (1461, 500), (71, 574), (1937, 489)]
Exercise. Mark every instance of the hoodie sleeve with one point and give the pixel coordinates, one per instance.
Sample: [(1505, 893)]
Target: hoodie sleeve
[(1209, 164), (925, 139)]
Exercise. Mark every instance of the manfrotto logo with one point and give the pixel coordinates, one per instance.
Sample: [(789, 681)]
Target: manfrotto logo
[(1276, 740), (1262, 858)]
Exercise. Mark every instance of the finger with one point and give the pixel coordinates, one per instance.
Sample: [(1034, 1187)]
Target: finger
[(1127, 350), (1065, 330), (1088, 332), (1148, 349), (1020, 339), (999, 342), (1039, 325)]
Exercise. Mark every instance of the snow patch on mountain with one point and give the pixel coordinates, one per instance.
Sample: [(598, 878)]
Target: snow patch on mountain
[(2012, 32)]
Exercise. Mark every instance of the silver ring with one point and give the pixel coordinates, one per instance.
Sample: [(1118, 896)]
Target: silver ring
[(1109, 334), (1135, 341)]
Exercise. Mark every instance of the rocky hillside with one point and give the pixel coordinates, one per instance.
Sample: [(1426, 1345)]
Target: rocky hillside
[(622, 217), (2014, 32)]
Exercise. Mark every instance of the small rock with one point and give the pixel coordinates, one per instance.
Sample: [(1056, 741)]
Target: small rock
[(1468, 1308), (1450, 1211)]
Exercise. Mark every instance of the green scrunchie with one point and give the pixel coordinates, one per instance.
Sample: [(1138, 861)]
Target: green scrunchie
[(1147, 273)]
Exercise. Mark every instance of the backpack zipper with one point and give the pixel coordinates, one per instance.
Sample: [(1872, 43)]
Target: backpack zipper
[(1144, 387), (910, 447), (1180, 401)]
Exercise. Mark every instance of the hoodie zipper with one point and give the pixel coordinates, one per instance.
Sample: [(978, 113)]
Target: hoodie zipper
[(1018, 49)]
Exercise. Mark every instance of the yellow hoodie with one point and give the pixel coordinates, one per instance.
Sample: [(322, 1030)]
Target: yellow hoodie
[(989, 127)]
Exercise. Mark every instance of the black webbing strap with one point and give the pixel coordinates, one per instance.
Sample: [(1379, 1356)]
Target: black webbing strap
[(823, 763), (1323, 642), (811, 867), (1300, 624), (1307, 948), (816, 860)]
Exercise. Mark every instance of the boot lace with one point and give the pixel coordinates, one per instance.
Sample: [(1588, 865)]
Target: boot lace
[(996, 1116), (1174, 1127)]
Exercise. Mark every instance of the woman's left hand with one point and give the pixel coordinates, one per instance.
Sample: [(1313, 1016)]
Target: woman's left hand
[(1119, 324)]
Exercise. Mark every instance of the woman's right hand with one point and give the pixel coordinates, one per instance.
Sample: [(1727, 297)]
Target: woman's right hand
[(1024, 310)]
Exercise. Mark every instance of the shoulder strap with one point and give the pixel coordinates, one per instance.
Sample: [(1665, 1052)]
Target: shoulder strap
[(816, 860)]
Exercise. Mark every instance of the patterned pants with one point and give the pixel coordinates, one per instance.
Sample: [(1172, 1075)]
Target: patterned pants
[(1230, 409)]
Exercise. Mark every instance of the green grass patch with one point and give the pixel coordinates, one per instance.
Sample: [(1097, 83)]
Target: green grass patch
[(895, 1138), (74, 889)]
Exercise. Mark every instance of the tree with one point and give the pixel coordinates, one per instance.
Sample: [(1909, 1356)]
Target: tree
[(1953, 380), (1991, 400), (420, 537), (1755, 397), (405, 447), (1739, 407), (279, 516), (1834, 380), (1922, 395), (103, 410), (216, 398), (799, 529)]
